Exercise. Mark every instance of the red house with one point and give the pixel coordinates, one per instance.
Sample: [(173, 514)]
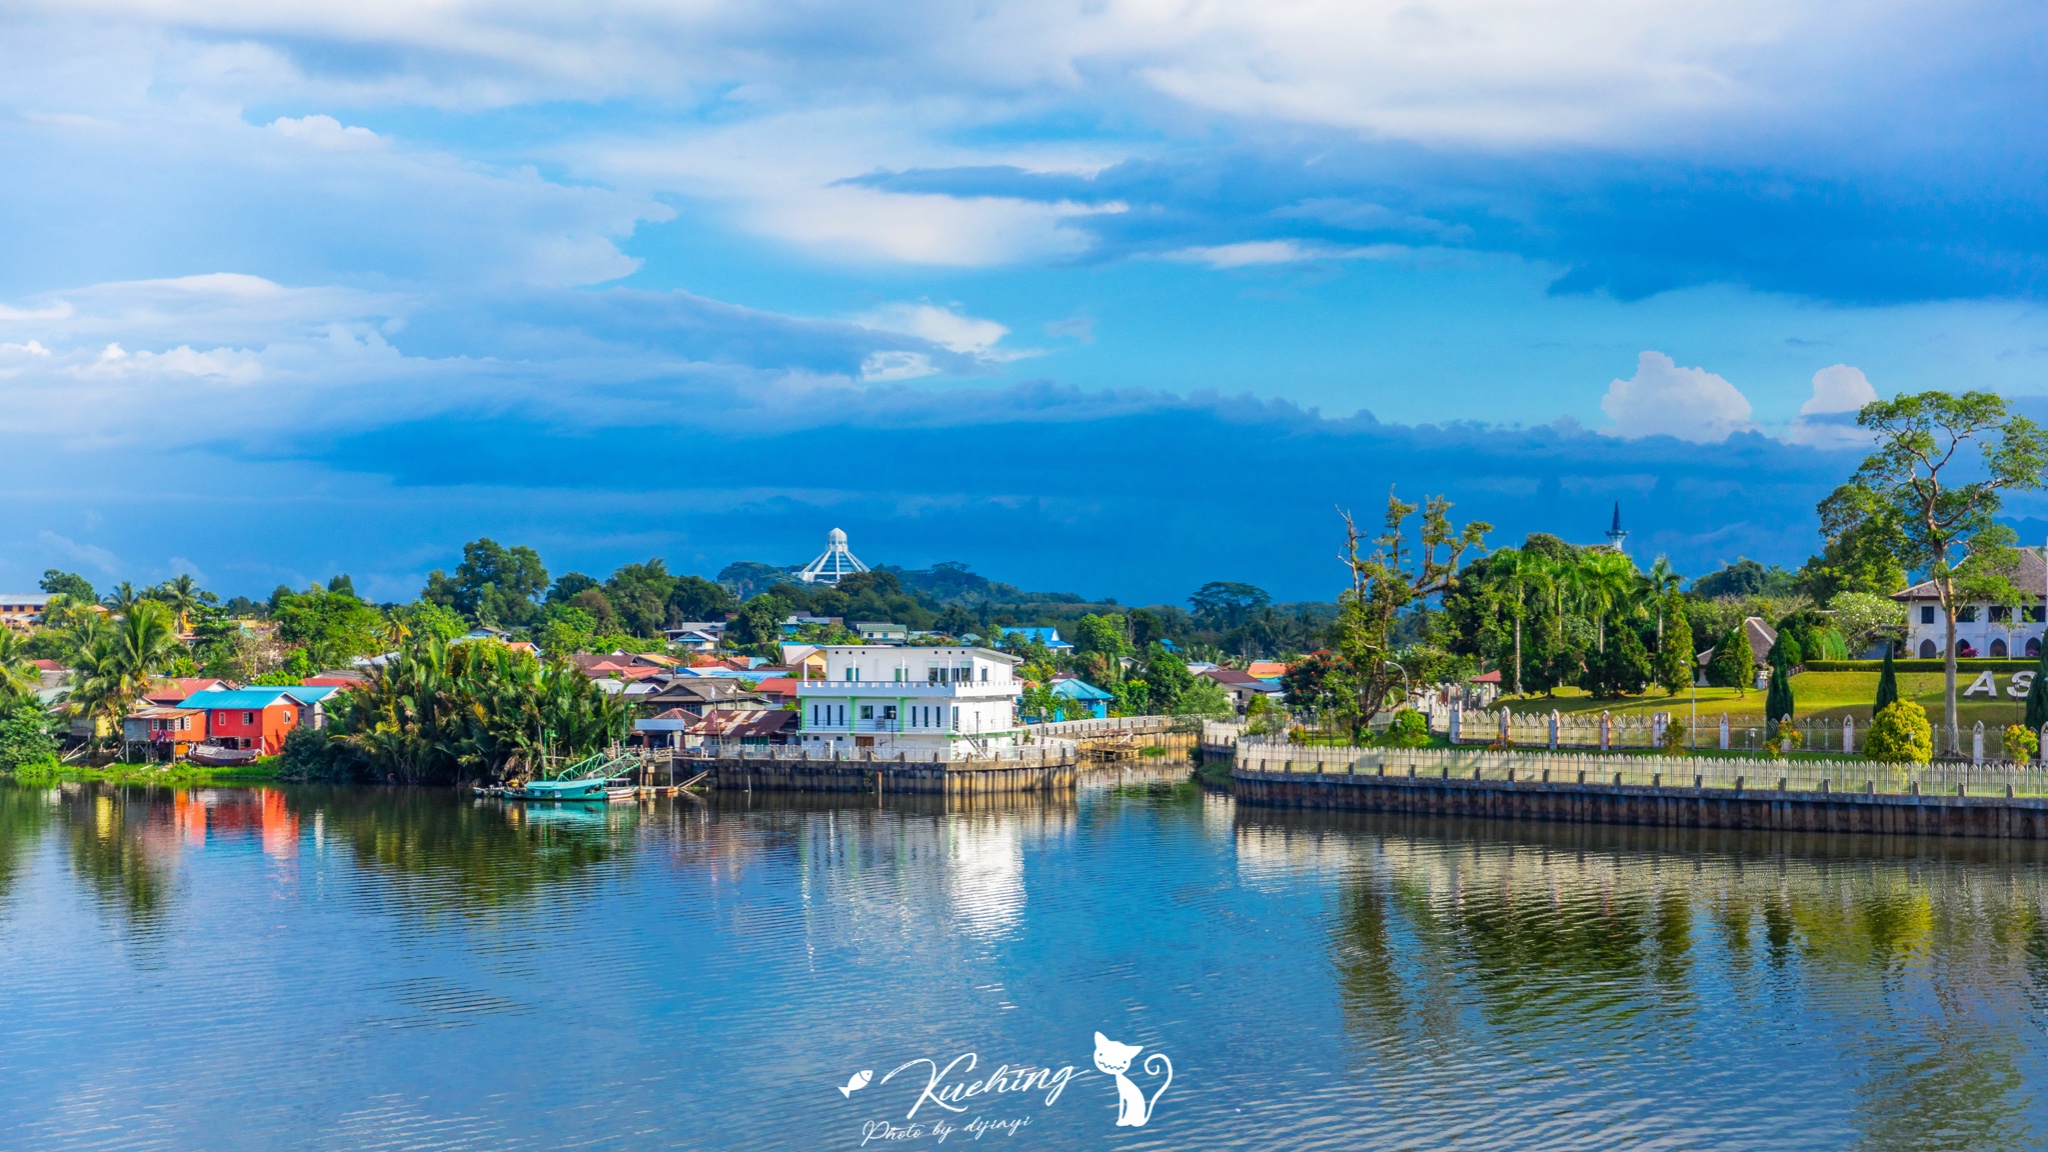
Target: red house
[(250, 719)]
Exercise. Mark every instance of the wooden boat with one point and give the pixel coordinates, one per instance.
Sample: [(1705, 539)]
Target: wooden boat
[(598, 790)]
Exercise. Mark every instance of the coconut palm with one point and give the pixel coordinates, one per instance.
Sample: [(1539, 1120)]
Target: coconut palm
[(182, 596), (117, 662), (122, 599)]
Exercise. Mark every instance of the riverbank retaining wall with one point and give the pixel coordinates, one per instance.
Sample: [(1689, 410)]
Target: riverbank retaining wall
[(1598, 803), (946, 778)]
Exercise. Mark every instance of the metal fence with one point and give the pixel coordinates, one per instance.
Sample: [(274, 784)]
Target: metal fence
[(1804, 774), (1111, 726), (1708, 731)]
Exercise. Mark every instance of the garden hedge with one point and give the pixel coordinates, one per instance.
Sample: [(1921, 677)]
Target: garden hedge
[(1963, 664)]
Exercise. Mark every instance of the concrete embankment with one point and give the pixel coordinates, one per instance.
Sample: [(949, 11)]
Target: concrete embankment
[(946, 778), (1743, 808)]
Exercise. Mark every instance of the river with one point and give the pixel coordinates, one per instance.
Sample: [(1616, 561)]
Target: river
[(325, 968)]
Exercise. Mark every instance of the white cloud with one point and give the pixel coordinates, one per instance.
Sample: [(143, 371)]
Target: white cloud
[(942, 326), (1828, 418), (1250, 253), (1662, 399), (79, 553), (325, 132), (1838, 388)]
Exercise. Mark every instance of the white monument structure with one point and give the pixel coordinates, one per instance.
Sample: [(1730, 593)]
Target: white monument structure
[(833, 563), (959, 702)]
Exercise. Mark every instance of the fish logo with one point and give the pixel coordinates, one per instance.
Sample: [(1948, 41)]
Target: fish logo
[(856, 1082)]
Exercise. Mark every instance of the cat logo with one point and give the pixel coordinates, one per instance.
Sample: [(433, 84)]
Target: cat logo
[(1113, 1058)]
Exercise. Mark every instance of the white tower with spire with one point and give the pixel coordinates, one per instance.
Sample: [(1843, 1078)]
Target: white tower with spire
[(1617, 534), (833, 563)]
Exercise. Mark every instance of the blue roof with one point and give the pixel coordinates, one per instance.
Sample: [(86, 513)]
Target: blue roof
[(253, 698), (1080, 690)]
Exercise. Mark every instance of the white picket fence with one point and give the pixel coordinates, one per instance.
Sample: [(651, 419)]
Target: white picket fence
[(1719, 731)]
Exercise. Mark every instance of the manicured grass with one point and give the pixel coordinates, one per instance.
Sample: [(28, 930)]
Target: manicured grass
[(1817, 694)]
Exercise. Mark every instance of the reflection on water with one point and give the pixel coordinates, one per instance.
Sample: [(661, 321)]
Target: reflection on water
[(357, 967)]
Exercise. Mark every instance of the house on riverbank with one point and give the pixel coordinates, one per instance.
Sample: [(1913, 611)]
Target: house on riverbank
[(955, 702)]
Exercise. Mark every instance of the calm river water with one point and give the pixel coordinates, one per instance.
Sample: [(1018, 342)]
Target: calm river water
[(373, 968)]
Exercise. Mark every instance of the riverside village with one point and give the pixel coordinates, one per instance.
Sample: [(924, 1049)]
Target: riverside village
[(1893, 681)]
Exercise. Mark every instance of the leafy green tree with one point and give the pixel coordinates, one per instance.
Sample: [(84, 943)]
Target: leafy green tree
[(1910, 481), (424, 618), (342, 584), (19, 676), (1101, 640), (1733, 665), (569, 629), (570, 585), (639, 596), (329, 627), (1203, 697), (758, 625), (1901, 734), (123, 598), (1225, 604), (1674, 665), (695, 598), (26, 743), (1147, 627), (1133, 698), (1166, 677), (2022, 744), (493, 585), (955, 621), (1622, 669), (1863, 542), (1865, 618), (69, 584), (2037, 692), (1744, 578), (1888, 686), (1519, 574)]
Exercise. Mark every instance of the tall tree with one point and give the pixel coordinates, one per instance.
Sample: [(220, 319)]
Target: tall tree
[(2037, 692), (1888, 685), (70, 584), (1923, 443), (1385, 582), (493, 584), (1227, 604), (1518, 574), (183, 596), (1778, 702)]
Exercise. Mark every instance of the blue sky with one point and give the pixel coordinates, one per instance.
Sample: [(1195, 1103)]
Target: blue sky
[(1116, 297)]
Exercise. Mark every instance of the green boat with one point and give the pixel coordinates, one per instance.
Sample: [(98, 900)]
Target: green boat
[(596, 779)]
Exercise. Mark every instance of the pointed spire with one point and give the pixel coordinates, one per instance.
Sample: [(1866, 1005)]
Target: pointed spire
[(1617, 534)]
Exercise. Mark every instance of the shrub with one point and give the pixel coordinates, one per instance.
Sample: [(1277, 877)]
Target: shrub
[(1901, 734), (2021, 743), (25, 741), (1674, 739), (1785, 741), (1408, 730)]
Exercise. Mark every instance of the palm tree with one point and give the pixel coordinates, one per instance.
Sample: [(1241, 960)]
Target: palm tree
[(182, 596), (1659, 583), (122, 599), (1608, 580), (1518, 573)]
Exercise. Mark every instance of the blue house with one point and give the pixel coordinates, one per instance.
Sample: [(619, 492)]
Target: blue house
[(1096, 700), (1050, 637)]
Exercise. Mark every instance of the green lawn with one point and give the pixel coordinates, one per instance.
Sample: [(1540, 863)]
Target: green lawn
[(1830, 694)]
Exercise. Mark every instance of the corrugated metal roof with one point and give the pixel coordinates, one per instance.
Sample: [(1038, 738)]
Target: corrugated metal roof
[(249, 698)]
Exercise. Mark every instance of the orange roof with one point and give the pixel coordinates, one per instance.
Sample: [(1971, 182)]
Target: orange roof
[(778, 685), (1266, 669)]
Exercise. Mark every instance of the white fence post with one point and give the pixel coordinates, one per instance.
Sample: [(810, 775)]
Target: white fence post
[(1724, 731), (1848, 735), (1977, 744)]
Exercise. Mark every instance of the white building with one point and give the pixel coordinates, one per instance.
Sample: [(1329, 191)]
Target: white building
[(833, 563), (959, 702), (1991, 630)]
